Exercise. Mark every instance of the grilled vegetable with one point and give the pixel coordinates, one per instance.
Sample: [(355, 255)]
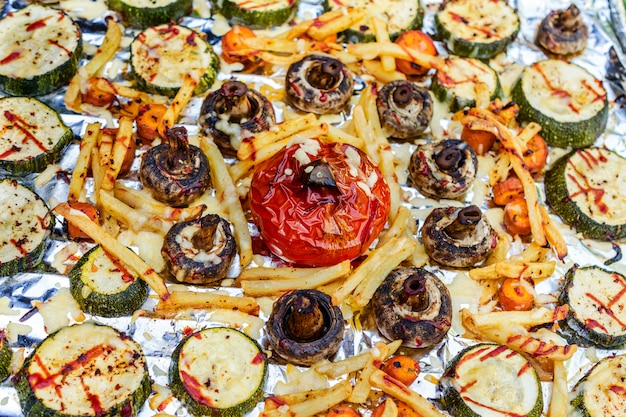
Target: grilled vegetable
[(585, 187), (458, 237), (403, 368), (32, 135), (257, 13), (26, 224), (413, 305), (405, 109), (304, 327), (572, 109), (199, 251), (156, 54), (39, 51), (401, 15), (319, 84), (491, 380), (233, 113), (175, 172), (84, 370), (563, 32), (596, 305), (456, 85), (218, 372), (6, 354), (600, 393), (415, 40), (142, 14), (477, 28), (102, 285)]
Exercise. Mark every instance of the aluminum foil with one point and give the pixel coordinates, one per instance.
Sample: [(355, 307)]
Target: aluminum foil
[(604, 57)]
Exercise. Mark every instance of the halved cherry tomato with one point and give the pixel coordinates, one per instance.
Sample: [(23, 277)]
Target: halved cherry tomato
[(507, 191), (89, 210), (480, 141), (536, 154), (516, 217), (318, 204), (514, 296), (148, 120), (342, 410), (403, 368), (418, 41), (233, 50)]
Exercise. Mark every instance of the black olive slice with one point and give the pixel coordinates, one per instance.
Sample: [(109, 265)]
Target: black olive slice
[(405, 109)]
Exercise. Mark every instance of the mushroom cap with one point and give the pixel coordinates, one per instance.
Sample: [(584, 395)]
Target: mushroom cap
[(319, 84), (304, 352), (563, 32), (457, 250), (405, 109), (397, 317)]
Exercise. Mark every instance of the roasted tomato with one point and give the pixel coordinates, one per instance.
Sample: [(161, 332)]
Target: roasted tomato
[(318, 204)]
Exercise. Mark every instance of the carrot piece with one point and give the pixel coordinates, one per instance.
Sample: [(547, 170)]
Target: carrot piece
[(516, 217), (481, 141), (507, 191), (536, 154), (148, 120), (342, 410), (97, 97), (417, 41), (234, 50), (89, 210), (403, 368), (513, 295)]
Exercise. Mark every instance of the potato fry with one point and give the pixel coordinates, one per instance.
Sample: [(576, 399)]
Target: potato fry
[(142, 200), (532, 201), (372, 50), (179, 102), (325, 28), (338, 135), (401, 392), (120, 147), (500, 170), (380, 351), (559, 399), (553, 235), (529, 131), (525, 319), (279, 46), (133, 219), (398, 227), (316, 402), (82, 163), (122, 90), (513, 269), (362, 386), (97, 171), (114, 247), (391, 409), (181, 300), (382, 35)]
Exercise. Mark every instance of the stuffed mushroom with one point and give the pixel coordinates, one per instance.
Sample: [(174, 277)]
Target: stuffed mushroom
[(405, 109), (563, 32)]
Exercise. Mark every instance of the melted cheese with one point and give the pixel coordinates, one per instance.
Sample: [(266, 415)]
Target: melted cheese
[(463, 75), (400, 14), (483, 21)]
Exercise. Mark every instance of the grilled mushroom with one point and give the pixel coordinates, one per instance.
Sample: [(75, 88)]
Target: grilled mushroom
[(304, 327), (413, 305), (405, 109), (319, 84), (563, 32), (199, 251), (443, 170), (175, 172), (458, 237), (233, 113)]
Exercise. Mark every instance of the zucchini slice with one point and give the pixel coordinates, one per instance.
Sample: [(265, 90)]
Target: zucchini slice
[(257, 13), (84, 370), (6, 354), (218, 372), (568, 102), (144, 13), (162, 55), (104, 286), (595, 297), (489, 380), (477, 28), (586, 188), (39, 51), (25, 225), (32, 135), (457, 84), (600, 393), (400, 15)]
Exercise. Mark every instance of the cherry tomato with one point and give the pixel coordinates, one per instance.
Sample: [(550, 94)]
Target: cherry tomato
[(317, 204), (418, 41), (233, 49)]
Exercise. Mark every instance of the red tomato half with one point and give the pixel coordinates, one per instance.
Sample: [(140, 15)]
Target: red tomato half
[(318, 204)]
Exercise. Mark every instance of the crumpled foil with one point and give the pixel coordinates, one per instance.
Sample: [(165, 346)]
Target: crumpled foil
[(604, 57)]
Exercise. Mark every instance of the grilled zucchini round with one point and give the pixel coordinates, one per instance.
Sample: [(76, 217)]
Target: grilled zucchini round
[(6, 354), (600, 393), (144, 13), (257, 13)]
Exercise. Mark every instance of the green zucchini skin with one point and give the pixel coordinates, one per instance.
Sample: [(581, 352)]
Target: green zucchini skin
[(97, 301), (159, 50), (6, 354), (222, 338), (245, 12), (589, 393), (137, 16), (17, 199), (445, 90), (34, 406), (13, 81), (562, 133), (584, 323), (475, 46), (393, 10), (455, 403), (43, 131), (559, 197)]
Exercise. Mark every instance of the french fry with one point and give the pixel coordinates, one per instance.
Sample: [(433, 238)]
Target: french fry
[(142, 200), (398, 227), (382, 35), (97, 170), (391, 409), (114, 247), (559, 399), (513, 269), (525, 319), (373, 50), (280, 46), (482, 95), (500, 170), (376, 69), (401, 392), (133, 219), (532, 201), (179, 102), (122, 90), (118, 153), (325, 28), (317, 401), (339, 135), (181, 300), (529, 131), (357, 362), (82, 163), (362, 386), (553, 235)]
